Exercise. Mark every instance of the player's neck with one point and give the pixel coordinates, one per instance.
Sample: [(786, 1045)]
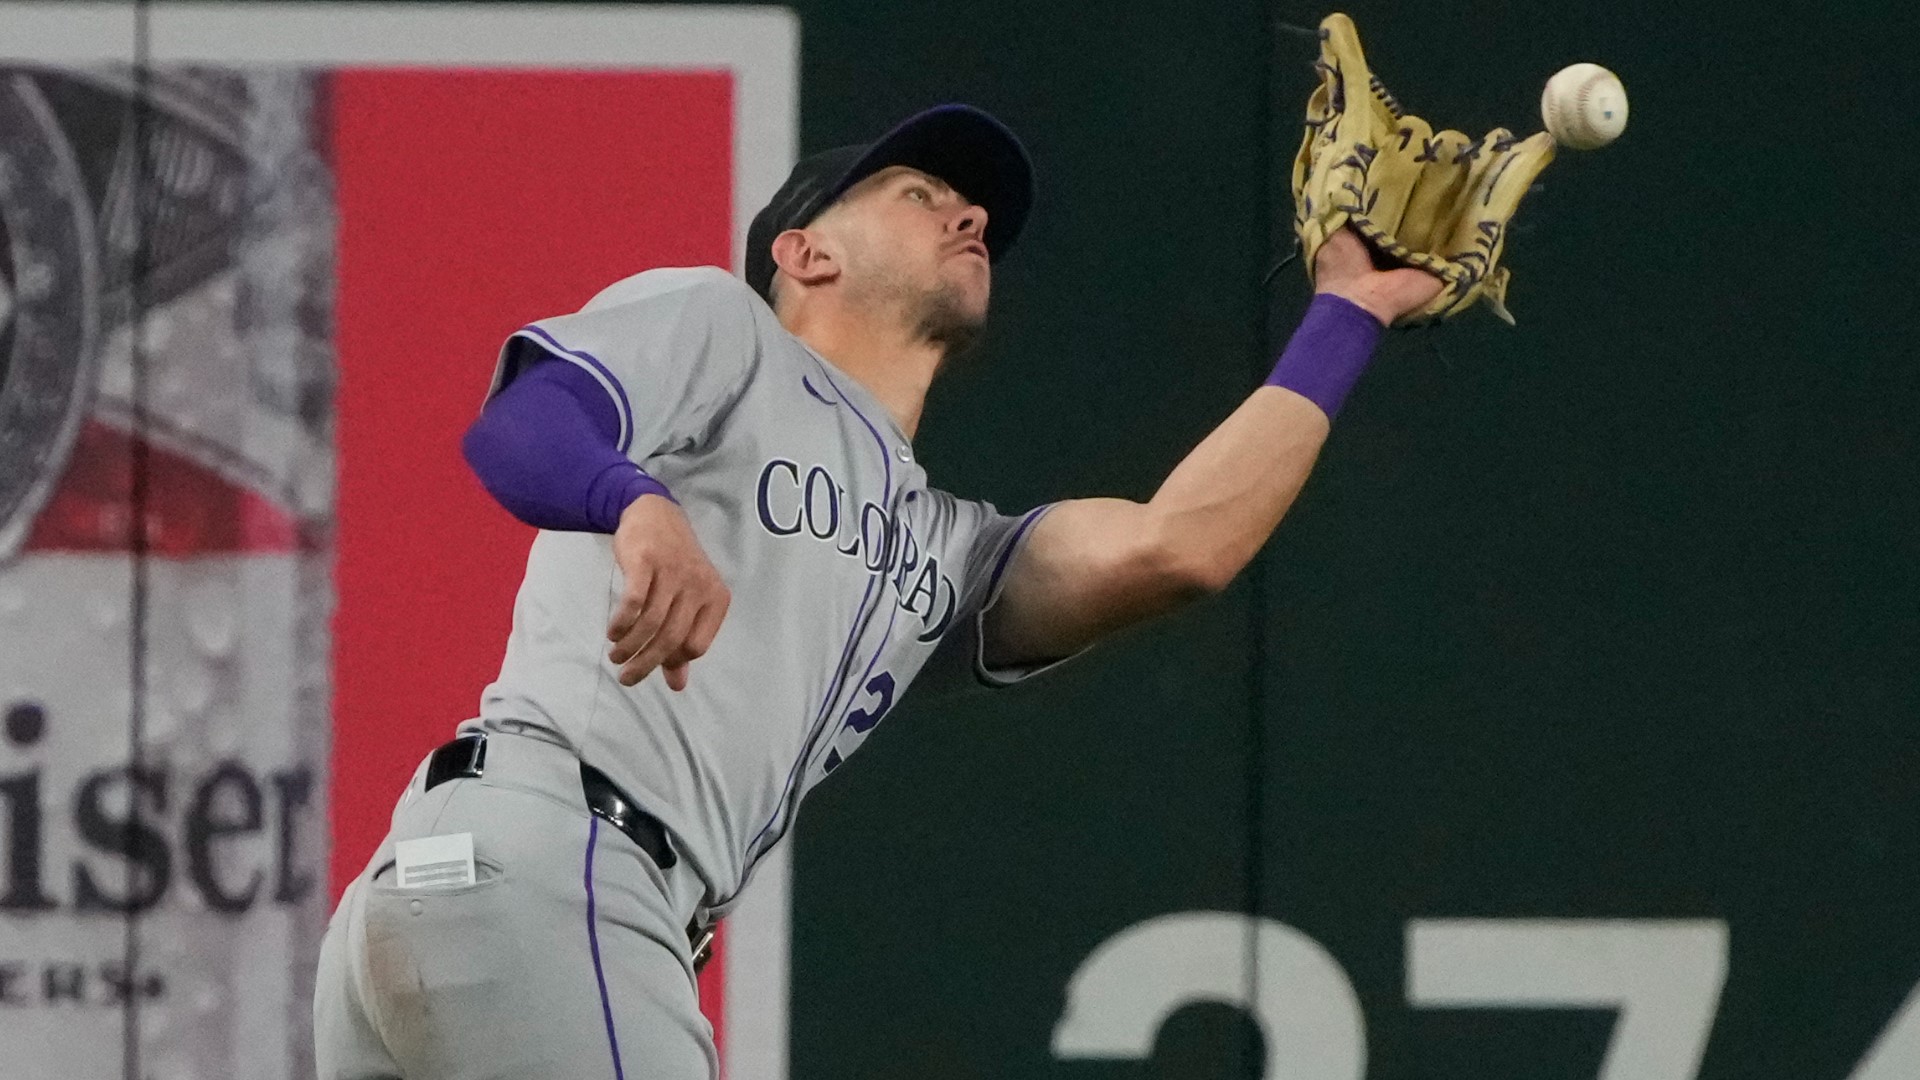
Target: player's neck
[(895, 367)]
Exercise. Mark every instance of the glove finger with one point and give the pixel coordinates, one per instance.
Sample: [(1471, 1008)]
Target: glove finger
[(1340, 50), (1510, 178), (1485, 159), (1493, 195), (1320, 116), (1368, 112), (1319, 184), (1455, 240), (1340, 62), (1500, 176), (1390, 184), (1443, 176), (1505, 188)]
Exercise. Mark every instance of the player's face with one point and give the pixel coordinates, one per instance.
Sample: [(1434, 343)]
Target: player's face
[(910, 240)]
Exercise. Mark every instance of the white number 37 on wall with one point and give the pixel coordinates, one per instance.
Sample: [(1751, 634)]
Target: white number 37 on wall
[(1663, 978)]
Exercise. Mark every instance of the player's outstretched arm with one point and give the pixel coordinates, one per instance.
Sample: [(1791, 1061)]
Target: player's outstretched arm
[(1093, 566)]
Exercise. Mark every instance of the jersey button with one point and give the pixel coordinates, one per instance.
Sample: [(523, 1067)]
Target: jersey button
[(906, 453)]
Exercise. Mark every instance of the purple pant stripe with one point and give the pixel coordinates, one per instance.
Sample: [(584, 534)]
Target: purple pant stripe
[(593, 944)]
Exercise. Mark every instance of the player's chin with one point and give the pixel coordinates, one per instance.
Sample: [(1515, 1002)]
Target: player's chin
[(974, 309), (954, 316), (970, 287), (968, 310)]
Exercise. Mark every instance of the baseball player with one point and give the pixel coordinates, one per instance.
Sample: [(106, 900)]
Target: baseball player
[(741, 569)]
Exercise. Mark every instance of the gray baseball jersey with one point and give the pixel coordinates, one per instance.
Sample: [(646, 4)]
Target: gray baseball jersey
[(850, 576)]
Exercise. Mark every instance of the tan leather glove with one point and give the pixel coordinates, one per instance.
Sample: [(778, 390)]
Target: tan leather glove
[(1437, 201)]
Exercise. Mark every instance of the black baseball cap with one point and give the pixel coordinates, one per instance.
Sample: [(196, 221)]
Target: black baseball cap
[(969, 150)]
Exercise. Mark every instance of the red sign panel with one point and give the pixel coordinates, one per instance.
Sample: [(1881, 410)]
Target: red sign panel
[(472, 203)]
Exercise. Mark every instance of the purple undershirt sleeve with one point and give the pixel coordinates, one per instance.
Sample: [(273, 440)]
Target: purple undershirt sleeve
[(1327, 354), (547, 448)]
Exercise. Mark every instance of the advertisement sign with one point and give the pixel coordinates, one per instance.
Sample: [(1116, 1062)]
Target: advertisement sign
[(257, 261)]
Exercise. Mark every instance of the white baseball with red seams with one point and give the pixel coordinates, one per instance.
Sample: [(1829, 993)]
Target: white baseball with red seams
[(1584, 106)]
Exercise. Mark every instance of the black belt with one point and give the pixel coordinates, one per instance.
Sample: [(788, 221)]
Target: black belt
[(466, 756)]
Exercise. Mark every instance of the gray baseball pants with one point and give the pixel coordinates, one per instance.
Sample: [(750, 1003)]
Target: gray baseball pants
[(566, 958)]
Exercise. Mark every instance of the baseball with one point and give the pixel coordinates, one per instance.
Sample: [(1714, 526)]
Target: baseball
[(1584, 106)]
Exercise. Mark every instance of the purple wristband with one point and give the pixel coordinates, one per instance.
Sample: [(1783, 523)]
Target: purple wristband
[(1326, 355)]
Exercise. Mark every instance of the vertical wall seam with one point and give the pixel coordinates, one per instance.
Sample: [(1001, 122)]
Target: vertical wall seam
[(1254, 1052), (140, 260)]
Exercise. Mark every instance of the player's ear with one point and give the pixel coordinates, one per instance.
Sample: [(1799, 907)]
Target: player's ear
[(801, 256)]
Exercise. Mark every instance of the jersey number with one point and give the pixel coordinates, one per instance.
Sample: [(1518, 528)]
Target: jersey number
[(862, 721)]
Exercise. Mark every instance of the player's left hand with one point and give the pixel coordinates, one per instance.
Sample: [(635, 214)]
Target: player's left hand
[(673, 601), (1344, 266)]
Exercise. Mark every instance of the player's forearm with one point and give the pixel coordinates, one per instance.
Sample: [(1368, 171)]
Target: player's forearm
[(1219, 505), (1227, 496)]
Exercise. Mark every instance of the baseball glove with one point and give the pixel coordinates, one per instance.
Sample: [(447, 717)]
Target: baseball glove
[(1433, 200)]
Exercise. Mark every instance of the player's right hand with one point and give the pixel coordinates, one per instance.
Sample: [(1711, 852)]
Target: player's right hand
[(673, 601)]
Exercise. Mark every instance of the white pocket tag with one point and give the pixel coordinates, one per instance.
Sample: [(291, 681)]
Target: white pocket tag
[(434, 861)]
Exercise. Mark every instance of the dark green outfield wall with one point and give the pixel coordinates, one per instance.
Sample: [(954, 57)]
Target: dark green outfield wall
[(1608, 616)]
